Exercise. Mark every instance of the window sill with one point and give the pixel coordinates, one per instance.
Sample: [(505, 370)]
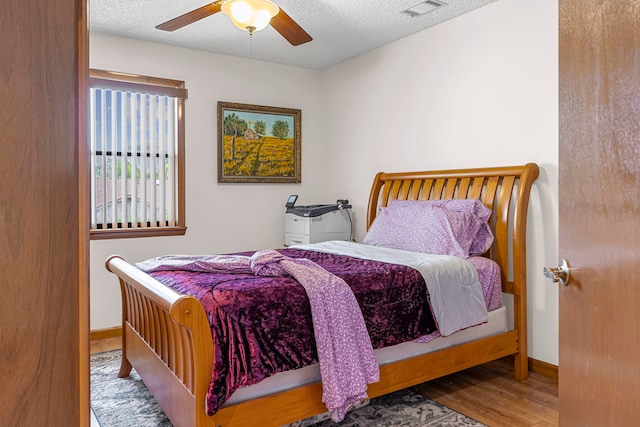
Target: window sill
[(136, 232)]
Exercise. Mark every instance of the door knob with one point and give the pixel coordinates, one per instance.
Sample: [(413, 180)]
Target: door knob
[(560, 274)]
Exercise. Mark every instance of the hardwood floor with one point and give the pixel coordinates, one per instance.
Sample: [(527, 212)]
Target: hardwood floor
[(106, 344), (487, 393)]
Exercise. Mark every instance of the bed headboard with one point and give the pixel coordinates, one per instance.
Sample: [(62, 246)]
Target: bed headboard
[(504, 190)]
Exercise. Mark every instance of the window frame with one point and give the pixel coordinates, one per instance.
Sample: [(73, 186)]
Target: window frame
[(153, 86)]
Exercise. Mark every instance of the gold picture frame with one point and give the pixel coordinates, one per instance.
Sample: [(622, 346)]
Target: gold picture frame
[(258, 144)]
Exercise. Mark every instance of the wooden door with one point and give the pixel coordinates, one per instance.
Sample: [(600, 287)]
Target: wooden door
[(44, 239), (599, 186)]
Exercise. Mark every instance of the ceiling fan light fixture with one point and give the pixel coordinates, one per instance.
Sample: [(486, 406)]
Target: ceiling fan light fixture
[(250, 15)]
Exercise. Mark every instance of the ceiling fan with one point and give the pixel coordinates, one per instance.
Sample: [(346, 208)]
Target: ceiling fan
[(248, 15)]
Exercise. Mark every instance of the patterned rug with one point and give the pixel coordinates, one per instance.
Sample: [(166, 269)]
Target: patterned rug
[(126, 402)]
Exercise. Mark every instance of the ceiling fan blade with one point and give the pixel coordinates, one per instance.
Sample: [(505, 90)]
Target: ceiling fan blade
[(289, 29), (191, 17)]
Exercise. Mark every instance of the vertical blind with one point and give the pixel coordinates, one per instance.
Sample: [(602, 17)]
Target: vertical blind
[(133, 139)]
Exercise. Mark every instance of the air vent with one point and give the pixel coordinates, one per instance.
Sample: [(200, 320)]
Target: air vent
[(424, 7)]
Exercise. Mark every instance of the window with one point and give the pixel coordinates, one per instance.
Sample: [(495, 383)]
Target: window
[(137, 155)]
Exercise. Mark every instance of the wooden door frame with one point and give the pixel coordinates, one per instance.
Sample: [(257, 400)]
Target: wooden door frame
[(84, 219), (45, 243)]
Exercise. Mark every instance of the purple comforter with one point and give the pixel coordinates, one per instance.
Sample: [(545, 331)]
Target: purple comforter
[(262, 325)]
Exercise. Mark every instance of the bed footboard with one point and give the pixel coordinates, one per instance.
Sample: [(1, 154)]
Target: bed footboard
[(167, 338)]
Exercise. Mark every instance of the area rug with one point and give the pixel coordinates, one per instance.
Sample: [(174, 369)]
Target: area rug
[(123, 402)]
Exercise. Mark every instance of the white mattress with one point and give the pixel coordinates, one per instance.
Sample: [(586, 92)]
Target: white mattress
[(290, 379)]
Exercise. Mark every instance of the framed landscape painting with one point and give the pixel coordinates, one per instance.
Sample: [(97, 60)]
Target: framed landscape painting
[(258, 143)]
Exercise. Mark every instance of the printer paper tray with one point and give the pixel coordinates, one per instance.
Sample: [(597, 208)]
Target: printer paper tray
[(296, 239)]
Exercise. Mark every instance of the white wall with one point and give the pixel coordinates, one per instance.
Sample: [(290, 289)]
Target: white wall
[(220, 217), (479, 90)]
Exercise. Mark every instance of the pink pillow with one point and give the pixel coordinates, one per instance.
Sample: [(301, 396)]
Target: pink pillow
[(425, 228), (483, 239)]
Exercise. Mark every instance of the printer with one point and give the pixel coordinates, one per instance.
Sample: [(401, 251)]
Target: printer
[(317, 223)]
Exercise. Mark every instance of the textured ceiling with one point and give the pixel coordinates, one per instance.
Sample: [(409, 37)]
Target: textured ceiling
[(341, 29)]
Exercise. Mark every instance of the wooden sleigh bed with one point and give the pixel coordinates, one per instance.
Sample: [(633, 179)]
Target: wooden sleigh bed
[(167, 336)]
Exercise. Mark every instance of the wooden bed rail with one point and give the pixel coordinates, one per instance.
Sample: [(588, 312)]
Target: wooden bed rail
[(170, 329)]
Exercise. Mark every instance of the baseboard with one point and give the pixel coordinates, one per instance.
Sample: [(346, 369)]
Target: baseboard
[(543, 368), (101, 334)]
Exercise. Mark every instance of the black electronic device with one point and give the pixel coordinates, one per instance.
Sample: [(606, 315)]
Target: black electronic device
[(291, 201)]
